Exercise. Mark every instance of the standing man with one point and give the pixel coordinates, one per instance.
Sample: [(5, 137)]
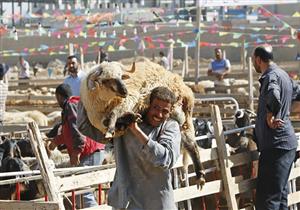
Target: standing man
[(274, 134), (24, 68), (3, 91), (82, 150), (102, 56), (144, 156), (219, 67), (75, 75), (164, 60)]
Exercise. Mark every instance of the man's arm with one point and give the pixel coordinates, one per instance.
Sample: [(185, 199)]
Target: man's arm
[(26, 65), (77, 138), (273, 103), (164, 151), (227, 68), (210, 71)]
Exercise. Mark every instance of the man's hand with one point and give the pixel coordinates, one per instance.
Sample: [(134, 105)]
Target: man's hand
[(220, 76), (75, 158), (272, 122), (128, 119), (59, 130)]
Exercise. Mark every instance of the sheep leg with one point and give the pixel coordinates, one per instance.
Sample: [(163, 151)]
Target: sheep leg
[(110, 122), (191, 147)]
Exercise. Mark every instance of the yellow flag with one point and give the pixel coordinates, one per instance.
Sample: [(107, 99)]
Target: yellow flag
[(110, 48), (296, 14)]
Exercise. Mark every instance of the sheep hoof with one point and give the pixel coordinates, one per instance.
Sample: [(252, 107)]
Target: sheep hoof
[(200, 183), (108, 135)]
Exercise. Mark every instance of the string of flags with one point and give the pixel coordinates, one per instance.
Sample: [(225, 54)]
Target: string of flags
[(147, 42)]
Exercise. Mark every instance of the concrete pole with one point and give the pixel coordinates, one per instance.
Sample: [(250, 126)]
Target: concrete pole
[(1, 12), (250, 78), (186, 60), (81, 58), (21, 11), (71, 49), (243, 54), (13, 12), (171, 56), (197, 48)]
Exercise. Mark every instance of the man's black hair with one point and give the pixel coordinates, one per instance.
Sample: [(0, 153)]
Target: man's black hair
[(161, 53), (72, 56), (3, 70), (164, 94), (264, 52), (64, 90)]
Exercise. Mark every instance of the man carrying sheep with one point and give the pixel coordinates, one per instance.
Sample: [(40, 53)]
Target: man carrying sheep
[(82, 150), (75, 75), (144, 155)]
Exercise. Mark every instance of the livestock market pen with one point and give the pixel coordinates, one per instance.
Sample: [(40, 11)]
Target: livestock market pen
[(237, 191)]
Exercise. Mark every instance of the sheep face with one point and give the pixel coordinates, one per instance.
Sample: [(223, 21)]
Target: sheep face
[(110, 79)]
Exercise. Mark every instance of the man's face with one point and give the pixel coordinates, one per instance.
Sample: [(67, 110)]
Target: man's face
[(158, 112), (218, 53), (72, 66), (60, 100), (255, 61)]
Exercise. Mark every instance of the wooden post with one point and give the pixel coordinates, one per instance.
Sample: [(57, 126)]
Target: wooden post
[(228, 181), (45, 167), (99, 57), (81, 58), (71, 49), (250, 78)]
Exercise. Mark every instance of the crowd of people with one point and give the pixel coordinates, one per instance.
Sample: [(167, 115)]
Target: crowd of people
[(147, 151)]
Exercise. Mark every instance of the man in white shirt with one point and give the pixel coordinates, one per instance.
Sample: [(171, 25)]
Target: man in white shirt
[(24, 68), (164, 60), (75, 75), (3, 90)]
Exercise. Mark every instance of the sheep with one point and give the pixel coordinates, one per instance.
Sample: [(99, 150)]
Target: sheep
[(108, 92), (25, 117)]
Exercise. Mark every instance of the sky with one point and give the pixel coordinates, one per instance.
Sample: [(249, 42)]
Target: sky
[(8, 8)]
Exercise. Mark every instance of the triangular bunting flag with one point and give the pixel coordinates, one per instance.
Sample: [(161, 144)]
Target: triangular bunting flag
[(110, 48)]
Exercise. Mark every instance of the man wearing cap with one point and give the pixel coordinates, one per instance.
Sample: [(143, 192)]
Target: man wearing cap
[(3, 90), (274, 133)]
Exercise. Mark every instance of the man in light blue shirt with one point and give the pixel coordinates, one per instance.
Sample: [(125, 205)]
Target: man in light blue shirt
[(219, 68), (75, 75)]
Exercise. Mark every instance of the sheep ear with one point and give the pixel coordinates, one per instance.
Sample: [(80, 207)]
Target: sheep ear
[(92, 78), (91, 84), (125, 76)]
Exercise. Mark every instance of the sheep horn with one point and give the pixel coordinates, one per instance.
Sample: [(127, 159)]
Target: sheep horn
[(132, 70)]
